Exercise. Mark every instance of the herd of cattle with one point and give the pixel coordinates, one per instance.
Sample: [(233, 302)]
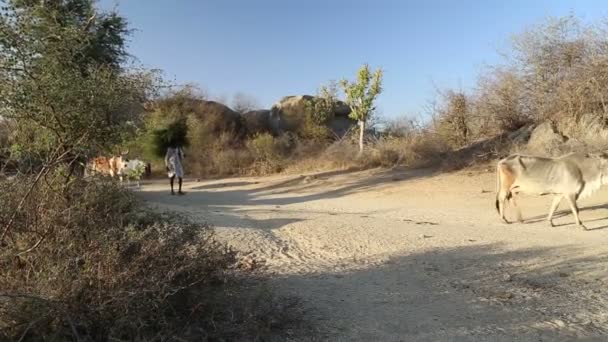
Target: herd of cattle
[(119, 166)]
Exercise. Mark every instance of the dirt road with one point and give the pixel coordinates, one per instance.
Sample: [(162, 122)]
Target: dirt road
[(411, 256)]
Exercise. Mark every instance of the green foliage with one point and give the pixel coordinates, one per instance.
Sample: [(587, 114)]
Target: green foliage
[(318, 112), (322, 107), (361, 94), (60, 80), (269, 152), (137, 172), (310, 129), (174, 135), (263, 147)]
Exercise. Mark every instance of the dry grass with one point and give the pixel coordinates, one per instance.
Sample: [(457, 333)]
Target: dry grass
[(589, 130), (93, 264)]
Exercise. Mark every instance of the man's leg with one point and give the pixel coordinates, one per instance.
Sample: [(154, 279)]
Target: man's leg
[(171, 181), (179, 180)]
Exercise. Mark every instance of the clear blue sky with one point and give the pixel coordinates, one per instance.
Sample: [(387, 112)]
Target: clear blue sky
[(272, 48)]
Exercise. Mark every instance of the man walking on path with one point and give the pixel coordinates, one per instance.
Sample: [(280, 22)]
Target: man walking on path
[(173, 162)]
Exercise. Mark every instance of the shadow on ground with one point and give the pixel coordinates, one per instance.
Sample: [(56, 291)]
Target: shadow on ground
[(474, 293), (255, 196), (234, 204), (471, 293)]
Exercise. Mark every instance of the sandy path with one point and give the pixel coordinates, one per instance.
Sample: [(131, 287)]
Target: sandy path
[(409, 256)]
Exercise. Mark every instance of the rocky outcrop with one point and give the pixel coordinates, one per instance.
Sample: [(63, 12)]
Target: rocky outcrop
[(288, 114), (258, 121), (218, 118), (546, 140)]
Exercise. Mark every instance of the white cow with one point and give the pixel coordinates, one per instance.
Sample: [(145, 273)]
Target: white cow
[(571, 176), (133, 169)]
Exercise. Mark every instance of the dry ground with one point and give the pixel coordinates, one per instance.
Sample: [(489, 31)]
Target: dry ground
[(393, 255)]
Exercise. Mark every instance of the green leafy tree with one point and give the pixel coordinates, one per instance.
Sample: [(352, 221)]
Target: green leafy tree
[(63, 88), (61, 80), (319, 111), (360, 96)]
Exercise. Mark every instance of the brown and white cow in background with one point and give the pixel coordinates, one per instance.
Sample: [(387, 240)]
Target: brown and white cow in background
[(111, 166), (119, 166), (571, 176)]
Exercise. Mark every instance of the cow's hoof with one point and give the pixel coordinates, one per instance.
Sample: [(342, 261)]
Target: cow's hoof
[(506, 221)]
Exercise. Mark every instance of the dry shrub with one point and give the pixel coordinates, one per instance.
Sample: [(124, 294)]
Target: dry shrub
[(555, 74), (93, 264), (557, 71), (420, 149), (270, 153), (342, 154), (589, 130), (221, 163), (499, 102), (229, 162), (454, 119)]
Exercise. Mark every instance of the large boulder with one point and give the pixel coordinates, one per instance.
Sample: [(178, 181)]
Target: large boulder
[(546, 140), (288, 114), (258, 121), (216, 118), (213, 116)]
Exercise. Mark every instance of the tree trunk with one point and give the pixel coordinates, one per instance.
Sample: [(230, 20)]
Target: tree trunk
[(361, 133)]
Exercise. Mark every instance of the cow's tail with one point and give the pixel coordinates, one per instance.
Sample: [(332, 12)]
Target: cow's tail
[(497, 187)]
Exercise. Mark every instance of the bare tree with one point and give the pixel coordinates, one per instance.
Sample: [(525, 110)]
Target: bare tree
[(243, 103)]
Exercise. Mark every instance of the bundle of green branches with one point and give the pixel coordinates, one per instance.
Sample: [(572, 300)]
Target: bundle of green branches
[(174, 135)]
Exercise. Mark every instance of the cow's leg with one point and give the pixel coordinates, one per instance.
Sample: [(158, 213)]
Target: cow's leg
[(501, 201), (519, 217), (574, 208), (505, 180), (502, 206), (554, 206), (502, 198)]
